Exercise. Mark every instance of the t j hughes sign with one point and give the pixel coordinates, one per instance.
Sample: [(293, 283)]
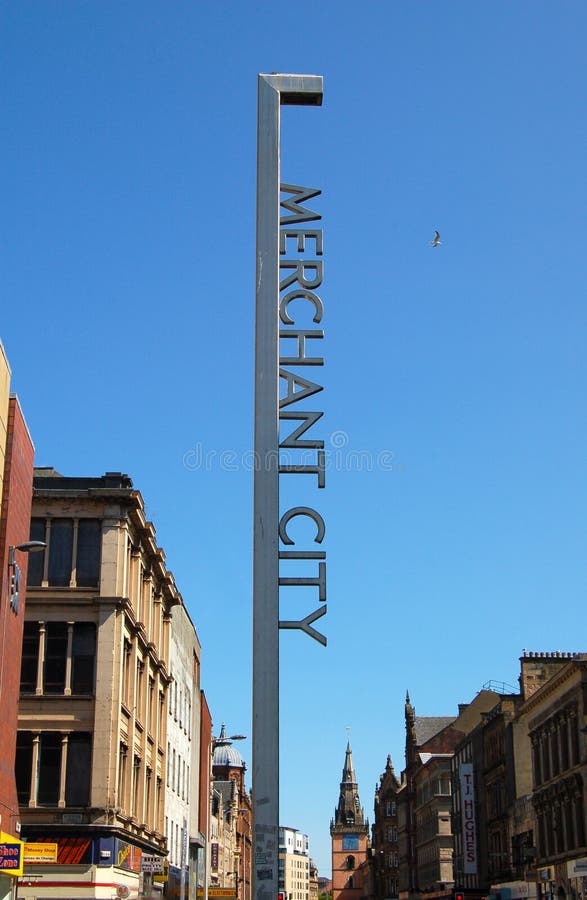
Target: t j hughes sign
[(469, 824)]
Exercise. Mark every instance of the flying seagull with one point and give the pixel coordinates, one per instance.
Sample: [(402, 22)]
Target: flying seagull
[(436, 240)]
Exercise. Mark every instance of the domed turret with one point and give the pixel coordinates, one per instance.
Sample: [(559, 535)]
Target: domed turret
[(225, 755)]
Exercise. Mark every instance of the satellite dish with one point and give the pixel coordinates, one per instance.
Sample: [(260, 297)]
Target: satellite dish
[(122, 891)]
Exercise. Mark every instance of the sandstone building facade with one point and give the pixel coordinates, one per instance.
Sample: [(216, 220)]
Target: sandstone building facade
[(95, 683)]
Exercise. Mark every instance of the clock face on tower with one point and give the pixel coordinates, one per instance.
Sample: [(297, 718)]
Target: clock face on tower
[(350, 842)]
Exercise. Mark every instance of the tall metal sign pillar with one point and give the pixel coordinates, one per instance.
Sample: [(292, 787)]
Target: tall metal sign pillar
[(274, 91)]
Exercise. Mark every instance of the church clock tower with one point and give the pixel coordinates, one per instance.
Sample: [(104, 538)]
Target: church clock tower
[(349, 833)]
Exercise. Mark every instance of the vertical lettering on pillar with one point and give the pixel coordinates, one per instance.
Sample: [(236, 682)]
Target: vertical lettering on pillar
[(301, 444)]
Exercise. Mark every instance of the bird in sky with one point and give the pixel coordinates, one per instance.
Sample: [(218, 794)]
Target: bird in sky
[(436, 241)]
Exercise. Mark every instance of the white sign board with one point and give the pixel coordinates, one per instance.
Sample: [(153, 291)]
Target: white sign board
[(152, 864)]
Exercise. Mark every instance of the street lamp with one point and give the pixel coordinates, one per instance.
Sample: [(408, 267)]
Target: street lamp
[(14, 568), (13, 593)]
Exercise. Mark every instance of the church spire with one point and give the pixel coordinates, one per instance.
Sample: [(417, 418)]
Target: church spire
[(348, 773), (349, 812), (349, 833)]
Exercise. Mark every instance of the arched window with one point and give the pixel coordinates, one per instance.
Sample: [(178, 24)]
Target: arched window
[(351, 882), (350, 862)]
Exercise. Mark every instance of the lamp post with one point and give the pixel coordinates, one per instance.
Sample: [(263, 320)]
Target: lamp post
[(14, 568), (13, 593)]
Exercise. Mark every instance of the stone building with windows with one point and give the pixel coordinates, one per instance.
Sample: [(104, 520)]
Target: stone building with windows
[(185, 842), (425, 821), (93, 715), (384, 837), (554, 717), (230, 821), (313, 887), (294, 864), (498, 787)]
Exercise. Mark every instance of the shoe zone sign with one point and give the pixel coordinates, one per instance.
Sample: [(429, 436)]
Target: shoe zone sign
[(11, 854), (288, 547)]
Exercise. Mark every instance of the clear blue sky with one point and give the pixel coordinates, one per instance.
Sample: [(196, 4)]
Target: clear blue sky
[(127, 279)]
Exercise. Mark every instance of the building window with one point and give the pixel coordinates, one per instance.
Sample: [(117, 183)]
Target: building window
[(87, 563), (73, 553), (24, 766), (158, 796), (55, 658), (55, 750), (30, 657), (77, 780), (60, 551), (75, 641), (122, 775), (126, 685), (151, 725), (139, 694), (149, 777), (161, 714), (136, 771), (36, 563), (350, 862), (83, 655), (49, 769)]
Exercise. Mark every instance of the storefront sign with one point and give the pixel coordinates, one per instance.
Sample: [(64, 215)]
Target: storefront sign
[(468, 819), (514, 890), (152, 864), (40, 853), (11, 855), (577, 868)]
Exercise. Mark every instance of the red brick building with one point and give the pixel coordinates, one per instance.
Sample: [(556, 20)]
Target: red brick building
[(16, 459)]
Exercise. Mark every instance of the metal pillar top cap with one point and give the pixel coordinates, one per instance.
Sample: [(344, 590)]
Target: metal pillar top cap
[(296, 90)]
